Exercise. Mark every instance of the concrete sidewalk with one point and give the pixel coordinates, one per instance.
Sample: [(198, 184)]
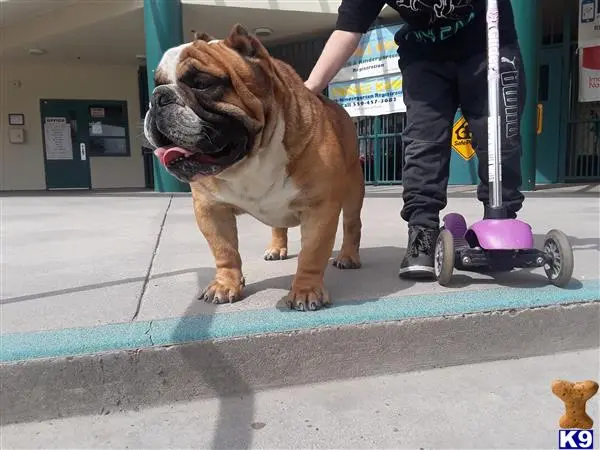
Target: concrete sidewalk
[(505, 404), (109, 272), (82, 261)]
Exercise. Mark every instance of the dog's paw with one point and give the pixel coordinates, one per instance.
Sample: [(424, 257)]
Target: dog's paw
[(218, 293), (308, 298), (342, 261), (275, 254)]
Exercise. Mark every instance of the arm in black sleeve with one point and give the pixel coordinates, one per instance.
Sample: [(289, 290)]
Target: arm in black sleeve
[(357, 15)]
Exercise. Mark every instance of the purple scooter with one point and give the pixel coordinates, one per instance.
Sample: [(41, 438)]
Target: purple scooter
[(498, 243)]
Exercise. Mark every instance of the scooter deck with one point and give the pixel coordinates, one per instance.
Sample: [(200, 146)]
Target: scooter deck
[(476, 259)]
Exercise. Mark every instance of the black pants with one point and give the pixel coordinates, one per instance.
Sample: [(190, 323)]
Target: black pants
[(433, 90)]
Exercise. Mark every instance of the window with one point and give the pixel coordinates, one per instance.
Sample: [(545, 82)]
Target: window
[(108, 129), (544, 83)]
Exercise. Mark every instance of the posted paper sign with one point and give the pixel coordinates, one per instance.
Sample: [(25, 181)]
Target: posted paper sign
[(370, 97), (589, 74), (589, 23), (57, 136), (375, 55), (370, 84), (96, 128)]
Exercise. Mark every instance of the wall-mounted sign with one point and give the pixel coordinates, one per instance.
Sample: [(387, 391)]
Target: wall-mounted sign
[(96, 128), (372, 96), (376, 55), (57, 137), (370, 84), (462, 139), (589, 74), (97, 113), (589, 23), (16, 119)]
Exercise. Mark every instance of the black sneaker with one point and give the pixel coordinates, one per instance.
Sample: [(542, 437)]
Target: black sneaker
[(418, 260)]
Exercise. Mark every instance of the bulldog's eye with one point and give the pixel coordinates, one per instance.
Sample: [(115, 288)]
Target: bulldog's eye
[(200, 81), (202, 84)]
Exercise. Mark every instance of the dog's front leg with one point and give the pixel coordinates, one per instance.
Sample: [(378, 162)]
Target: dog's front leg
[(318, 226), (218, 224)]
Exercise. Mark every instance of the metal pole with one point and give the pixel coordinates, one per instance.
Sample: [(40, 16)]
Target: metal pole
[(494, 120), (163, 29)]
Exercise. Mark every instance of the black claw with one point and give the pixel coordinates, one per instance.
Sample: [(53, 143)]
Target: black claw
[(313, 306), (345, 264)]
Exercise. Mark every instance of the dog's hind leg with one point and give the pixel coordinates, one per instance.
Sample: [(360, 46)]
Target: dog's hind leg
[(348, 257), (278, 249)]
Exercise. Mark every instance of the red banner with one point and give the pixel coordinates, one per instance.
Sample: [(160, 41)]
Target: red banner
[(589, 74)]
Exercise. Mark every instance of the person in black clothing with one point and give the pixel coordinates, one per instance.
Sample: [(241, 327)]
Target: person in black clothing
[(442, 50)]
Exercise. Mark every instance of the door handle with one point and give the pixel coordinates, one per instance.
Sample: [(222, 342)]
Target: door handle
[(82, 151), (540, 118)]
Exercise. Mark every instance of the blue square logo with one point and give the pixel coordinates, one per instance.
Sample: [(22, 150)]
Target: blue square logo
[(575, 439)]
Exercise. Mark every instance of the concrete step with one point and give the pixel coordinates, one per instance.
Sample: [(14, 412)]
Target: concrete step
[(113, 368), (503, 404)]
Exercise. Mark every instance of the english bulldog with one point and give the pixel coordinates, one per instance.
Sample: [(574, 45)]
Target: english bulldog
[(242, 129)]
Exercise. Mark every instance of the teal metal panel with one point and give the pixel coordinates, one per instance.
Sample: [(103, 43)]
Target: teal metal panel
[(527, 21), (568, 15), (163, 29), (549, 97)]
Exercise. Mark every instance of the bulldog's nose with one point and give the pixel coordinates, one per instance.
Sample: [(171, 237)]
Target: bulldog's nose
[(164, 96)]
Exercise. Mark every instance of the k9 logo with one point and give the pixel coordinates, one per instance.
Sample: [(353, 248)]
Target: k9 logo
[(575, 439)]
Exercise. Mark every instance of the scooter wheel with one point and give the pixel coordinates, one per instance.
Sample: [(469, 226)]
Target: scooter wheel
[(443, 259), (559, 269)]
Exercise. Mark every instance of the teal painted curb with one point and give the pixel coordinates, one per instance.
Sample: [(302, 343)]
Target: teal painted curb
[(147, 334)]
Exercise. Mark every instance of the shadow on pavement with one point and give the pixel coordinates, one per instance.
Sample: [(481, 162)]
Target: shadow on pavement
[(233, 427), (577, 243), (237, 422), (518, 278), (526, 278), (90, 287), (377, 277)]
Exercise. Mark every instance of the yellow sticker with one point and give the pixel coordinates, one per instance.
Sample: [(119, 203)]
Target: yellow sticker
[(461, 139)]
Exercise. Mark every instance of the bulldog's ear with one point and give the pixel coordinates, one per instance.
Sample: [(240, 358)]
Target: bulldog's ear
[(245, 44), (197, 36)]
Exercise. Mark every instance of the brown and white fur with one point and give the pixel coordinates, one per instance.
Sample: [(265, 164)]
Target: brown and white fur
[(255, 140)]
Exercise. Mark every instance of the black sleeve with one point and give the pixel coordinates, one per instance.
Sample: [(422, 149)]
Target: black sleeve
[(358, 15)]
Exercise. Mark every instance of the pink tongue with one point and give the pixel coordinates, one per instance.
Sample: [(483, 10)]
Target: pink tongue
[(168, 154)]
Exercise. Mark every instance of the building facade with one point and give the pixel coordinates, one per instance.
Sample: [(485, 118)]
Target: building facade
[(74, 87)]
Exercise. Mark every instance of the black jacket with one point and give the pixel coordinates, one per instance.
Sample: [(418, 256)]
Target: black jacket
[(432, 28)]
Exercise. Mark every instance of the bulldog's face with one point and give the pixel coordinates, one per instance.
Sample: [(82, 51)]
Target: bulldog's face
[(208, 110)]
